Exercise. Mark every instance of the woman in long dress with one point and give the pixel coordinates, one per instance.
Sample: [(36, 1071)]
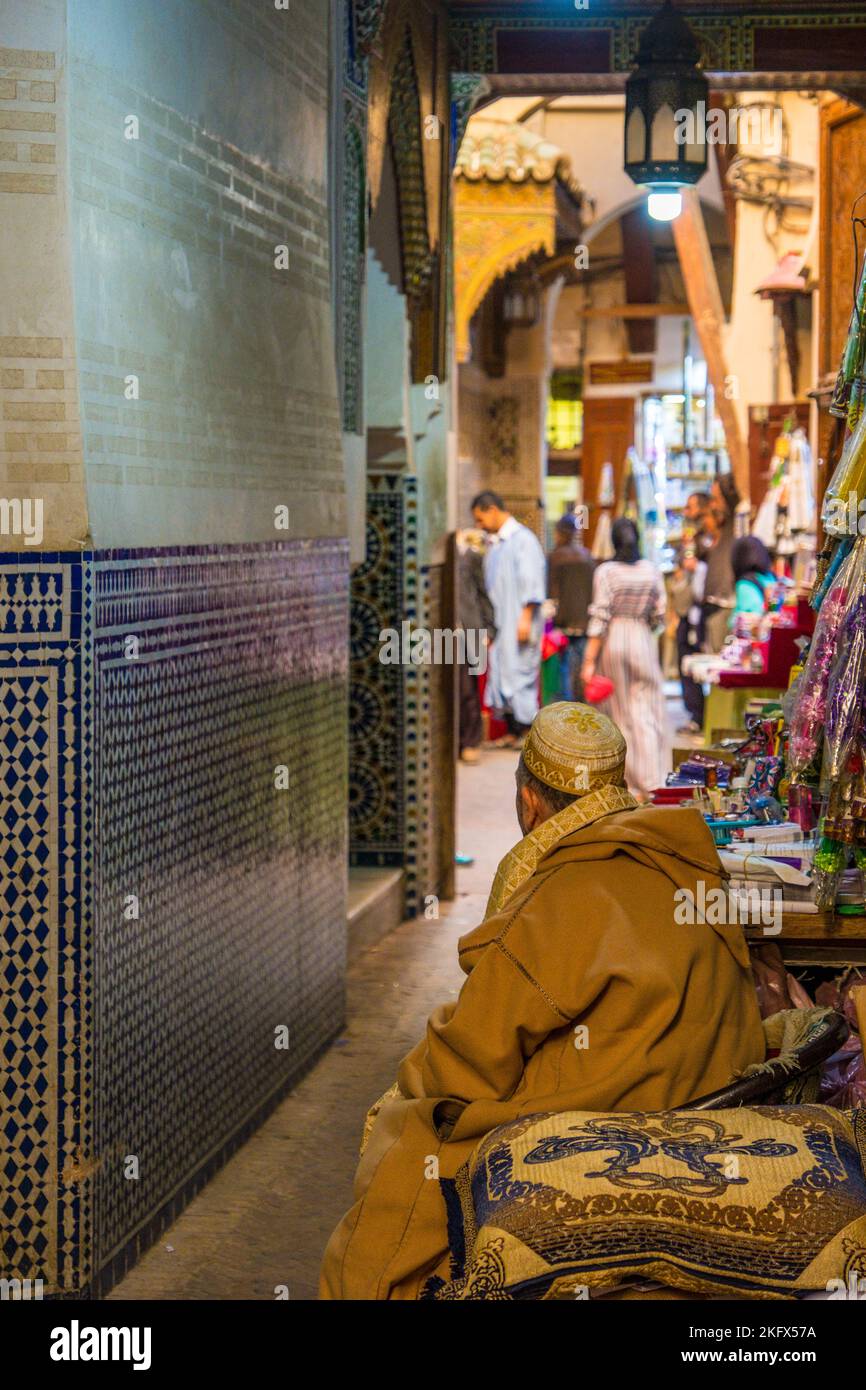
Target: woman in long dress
[(628, 603)]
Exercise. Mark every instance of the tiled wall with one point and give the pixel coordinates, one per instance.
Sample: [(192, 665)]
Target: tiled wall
[(500, 429), (164, 385), (401, 747), (46, 976), (377, 700), (153, 694)]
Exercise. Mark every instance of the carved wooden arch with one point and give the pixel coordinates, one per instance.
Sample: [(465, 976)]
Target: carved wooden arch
[(412, 35), (399, 18), (497, 226)]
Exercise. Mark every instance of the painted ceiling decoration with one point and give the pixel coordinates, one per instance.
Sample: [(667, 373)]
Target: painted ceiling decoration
[(541, 37), (467, 89), (369, 15), (404, 130)]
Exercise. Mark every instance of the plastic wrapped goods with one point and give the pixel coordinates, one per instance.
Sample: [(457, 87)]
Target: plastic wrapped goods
[(845, 703), (810, 708), (841, 513)]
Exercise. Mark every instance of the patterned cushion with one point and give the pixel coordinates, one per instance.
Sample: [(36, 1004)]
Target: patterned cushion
[(752, 1203)]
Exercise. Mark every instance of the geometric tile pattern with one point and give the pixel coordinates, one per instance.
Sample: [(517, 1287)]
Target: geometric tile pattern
[(240, 668), (157, 692), (350, 240), (397, 749), (378, 744), (45, 972), (438, 753), (28, 740)]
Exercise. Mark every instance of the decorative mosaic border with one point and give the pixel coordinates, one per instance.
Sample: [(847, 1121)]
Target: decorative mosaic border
[(46, 973), (361, 19), (378, 732), (727, 40), (393, 741)]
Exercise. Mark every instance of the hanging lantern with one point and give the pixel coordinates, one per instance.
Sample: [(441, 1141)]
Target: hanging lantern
[(665, 113), (521, 303)]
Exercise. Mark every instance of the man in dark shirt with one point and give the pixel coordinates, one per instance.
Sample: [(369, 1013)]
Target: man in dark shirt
[(570, 568), (474, 613), (687, 594), (719, 601)]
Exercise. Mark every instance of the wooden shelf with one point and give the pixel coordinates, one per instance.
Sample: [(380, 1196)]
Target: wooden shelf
[(816, 938)]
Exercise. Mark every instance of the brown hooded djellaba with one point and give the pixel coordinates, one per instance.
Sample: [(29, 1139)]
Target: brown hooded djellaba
[(589, 940)]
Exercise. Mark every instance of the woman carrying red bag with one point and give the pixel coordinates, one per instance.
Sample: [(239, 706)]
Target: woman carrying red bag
[(628, 606)]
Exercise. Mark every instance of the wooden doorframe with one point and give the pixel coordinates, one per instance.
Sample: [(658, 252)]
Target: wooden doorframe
[(836, 276), (616, 416), (836, 115)]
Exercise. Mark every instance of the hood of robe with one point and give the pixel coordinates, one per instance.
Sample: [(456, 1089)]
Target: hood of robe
[(673, 841)]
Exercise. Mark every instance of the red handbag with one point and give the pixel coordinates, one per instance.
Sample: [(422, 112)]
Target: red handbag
[(597, 689)]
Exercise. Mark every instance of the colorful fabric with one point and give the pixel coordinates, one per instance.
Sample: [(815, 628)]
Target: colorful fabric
[(766, 1203)]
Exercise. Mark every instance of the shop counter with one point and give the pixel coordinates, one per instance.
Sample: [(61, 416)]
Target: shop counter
[(816, 938)]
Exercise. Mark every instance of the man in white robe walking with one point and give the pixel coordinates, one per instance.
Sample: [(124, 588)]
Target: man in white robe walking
[(516, 581)]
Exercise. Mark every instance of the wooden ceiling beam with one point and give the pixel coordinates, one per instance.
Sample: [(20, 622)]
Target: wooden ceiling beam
[(705, 304), (634, 311), (641, 279)]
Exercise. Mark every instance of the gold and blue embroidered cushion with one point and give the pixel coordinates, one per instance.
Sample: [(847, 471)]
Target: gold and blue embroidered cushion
[(767, 1202)]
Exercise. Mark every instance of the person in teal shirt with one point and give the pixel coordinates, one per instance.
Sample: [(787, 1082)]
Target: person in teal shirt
[(753, 575)]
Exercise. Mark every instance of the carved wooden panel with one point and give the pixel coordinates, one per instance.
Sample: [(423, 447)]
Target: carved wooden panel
[(843, 179), (608, 433)]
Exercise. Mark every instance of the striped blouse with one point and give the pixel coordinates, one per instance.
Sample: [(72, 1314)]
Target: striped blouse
[(626, 591)]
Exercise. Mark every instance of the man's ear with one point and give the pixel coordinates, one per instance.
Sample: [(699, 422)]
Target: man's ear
[(534, 812)]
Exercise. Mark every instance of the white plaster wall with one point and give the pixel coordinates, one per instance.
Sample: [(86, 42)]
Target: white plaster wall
[(386, 351), (355, 456), (40, 441), (749, 336)]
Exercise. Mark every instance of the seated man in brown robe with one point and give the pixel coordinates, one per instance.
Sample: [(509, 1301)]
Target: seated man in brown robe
[(583, 993)]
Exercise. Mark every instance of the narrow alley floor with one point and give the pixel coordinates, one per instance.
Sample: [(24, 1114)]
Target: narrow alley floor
[(265, 1219)]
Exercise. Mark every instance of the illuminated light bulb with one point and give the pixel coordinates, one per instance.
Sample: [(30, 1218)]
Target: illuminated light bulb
[(665, 207)]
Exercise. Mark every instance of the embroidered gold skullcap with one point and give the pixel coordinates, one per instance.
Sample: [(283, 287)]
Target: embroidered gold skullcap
[(574, 748)]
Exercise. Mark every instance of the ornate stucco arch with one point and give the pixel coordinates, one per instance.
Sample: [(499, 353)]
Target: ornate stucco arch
[(487, 247), (508, 189)]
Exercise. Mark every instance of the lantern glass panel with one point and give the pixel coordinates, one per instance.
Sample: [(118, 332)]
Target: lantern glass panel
[(696, 150), (635, 140), (664, 137)]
